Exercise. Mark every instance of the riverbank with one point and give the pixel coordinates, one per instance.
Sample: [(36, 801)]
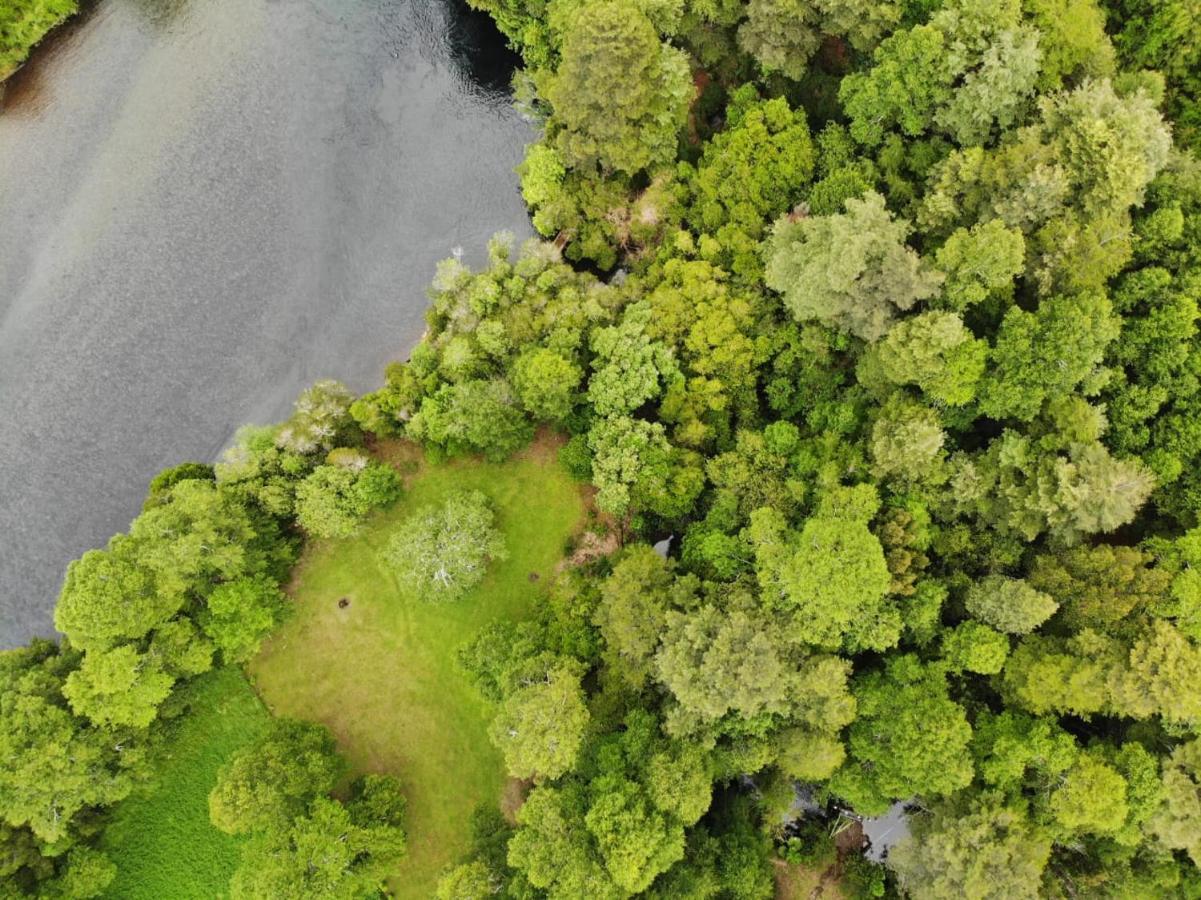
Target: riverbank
[(203, 204)]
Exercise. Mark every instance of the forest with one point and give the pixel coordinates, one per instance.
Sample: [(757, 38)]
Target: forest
[(885, 313)]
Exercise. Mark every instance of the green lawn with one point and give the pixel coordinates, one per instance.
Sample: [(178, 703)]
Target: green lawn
[(381, 672), (160, 837)]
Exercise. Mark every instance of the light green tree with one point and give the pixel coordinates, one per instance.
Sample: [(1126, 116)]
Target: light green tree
[(272, 781), (324, 853), (981, 847), (1009, 604), (541, 724), (444, 551), (118, 687), (1091, 797), (909, 738), (333, 499), (851, 270), (546, 383), (979, 263), (936, 352), (239, 614), (619, 95)]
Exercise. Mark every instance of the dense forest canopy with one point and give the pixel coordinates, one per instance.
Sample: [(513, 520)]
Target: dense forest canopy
[(888, 313)]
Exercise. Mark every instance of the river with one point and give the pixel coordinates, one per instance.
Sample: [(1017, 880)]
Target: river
[(205, 205)]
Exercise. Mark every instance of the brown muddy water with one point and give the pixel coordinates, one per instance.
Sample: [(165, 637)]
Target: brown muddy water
[(205, 205)]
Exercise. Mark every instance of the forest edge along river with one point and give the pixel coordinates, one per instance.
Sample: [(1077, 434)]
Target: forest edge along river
[(206, 206)]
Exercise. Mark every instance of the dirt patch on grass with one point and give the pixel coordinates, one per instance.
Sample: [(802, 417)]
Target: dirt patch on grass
[(512, 797), (591, 546), (797, 882), (545, 446), (405, 456)]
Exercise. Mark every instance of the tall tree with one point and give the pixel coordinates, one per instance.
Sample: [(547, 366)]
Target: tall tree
[(267, 784), (619, 96), (851, 270)]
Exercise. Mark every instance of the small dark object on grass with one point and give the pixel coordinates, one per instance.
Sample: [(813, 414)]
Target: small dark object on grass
[(533, 576), (343, 603)]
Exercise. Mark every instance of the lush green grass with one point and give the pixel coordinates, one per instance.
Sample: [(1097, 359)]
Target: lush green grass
[(160, 838), (381, 672)]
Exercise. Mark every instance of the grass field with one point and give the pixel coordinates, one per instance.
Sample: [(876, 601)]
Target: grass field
[(381, 672), (160, 838)]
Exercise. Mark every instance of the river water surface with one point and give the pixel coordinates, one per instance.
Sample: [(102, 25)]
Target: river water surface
[(205, 205)]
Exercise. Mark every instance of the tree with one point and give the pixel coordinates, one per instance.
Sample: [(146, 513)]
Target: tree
[(974, 647), (546, 383), (907, 442), (476, 416), (1177, 822), (993, 95), (333, 499), (1012, 749), (634, 467), (1011, 605), (23, 24), (826, 577), (109, 596), (1045, 353), (239, 614), (679, 782), (554, 848), (118, 687), (851, 271), (1059, 675), (1164, 36), (320, 420), (467, 881), (55, 765), (619, 96), (269, 783), (909, 80), (633, 602), (630, 367), (979, 263), (716, 663), (443, 552), (86, 874), (636, 841), (540, 726), (1112, 145), (782, 35), (935, 351), (981, 847), (1091, 798), (1100, 586), (1159, 662), (910, 738), (322, 854)]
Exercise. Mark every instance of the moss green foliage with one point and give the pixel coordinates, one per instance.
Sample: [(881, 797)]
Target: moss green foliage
[(411, 712), (619, 95), (25, 22), (160, 838)]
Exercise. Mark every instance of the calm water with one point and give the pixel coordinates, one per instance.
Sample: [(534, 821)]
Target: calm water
[(205, 206)]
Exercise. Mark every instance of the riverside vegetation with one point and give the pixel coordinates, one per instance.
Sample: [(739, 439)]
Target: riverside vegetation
[(25, 22), (889, 317)]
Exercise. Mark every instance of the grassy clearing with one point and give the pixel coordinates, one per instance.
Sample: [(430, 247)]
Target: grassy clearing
[(381, 672), (160, 837)]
